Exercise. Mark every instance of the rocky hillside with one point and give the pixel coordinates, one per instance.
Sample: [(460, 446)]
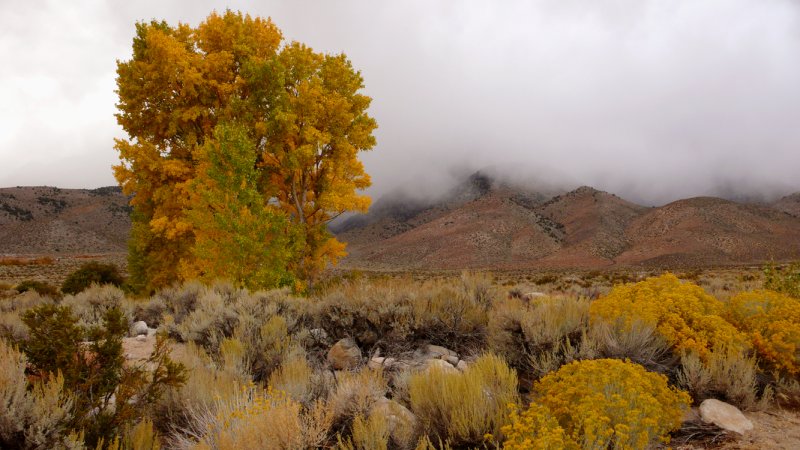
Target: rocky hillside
[(481, 223), (53, 221), (789, 204), (708, 230), (594, 224), (486, 224)]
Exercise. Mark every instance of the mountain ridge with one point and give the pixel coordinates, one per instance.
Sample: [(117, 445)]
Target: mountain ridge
[(482, 223), (51, 220), (582, 228)]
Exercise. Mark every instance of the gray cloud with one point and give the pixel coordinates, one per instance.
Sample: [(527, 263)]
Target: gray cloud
[(653, 100)]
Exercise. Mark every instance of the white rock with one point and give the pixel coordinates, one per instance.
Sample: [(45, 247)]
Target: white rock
[(141, 337), (318, 334), (451, 359), (440, 364), (725, 416), (462, 365), (439, 352), (138, 328)]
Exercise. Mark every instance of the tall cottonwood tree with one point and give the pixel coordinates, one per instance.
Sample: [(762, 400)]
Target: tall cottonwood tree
[(301, 111)]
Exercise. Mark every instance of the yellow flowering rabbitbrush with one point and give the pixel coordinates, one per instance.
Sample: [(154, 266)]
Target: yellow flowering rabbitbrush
[(772, 320), (686, 316), (536, 427), (604, 403)]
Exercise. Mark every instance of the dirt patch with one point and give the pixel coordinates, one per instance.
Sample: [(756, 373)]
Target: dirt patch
[(138, 351), (778, 429)]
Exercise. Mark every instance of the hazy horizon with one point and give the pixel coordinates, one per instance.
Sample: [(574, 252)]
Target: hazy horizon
[(650, 100)]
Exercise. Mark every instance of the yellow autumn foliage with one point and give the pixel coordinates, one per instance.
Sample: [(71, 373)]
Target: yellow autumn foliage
[(305, 119), (535, 427), (686, 316), (600, 404), (772, 320)]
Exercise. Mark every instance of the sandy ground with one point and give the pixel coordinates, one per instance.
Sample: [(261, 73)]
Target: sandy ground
[(771, 430)]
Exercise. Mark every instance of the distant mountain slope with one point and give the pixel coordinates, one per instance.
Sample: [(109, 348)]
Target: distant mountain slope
[(709, 230), (789, 204), (481, 223), (398, 213), (491, 231), (50, 220), (502, 226), (594, 225)]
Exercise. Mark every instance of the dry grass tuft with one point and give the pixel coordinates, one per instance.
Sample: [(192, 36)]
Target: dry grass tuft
[(540, 335), (30, 418), (367, 434), (257, 419), (725, 374), (355, 394), (296, 378), (462, 408)]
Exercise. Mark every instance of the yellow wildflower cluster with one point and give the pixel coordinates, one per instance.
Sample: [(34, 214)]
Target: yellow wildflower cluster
[(772, 320), (599, 404), (686, 316), (536, 427)]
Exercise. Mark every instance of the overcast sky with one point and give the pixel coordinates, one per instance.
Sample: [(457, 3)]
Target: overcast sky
[(653, 100)]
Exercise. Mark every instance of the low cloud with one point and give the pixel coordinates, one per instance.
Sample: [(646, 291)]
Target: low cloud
[(651, 100)]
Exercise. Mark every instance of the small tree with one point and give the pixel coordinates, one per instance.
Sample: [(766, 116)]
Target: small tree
[(39, 287), (90, 273), (107, 394)]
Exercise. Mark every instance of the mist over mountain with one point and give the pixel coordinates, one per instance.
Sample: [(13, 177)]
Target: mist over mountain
[(491, 222), (651, 100)]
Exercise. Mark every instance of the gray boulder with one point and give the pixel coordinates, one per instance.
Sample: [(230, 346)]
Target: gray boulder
[(139, 328)]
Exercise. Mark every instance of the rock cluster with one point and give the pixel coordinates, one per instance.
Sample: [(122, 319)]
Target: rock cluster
[(345, 355)]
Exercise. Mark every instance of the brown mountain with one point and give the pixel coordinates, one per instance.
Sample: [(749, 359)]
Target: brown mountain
[(586, 228), (594, 224), (493, 230), (481, 223), (789, 204), (708, 230), (399, 213), (48, 220)]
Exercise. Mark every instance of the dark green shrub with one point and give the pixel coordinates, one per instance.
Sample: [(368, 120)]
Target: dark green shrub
[(54, 340), (108, 395), (40, 287), (89, 273)]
